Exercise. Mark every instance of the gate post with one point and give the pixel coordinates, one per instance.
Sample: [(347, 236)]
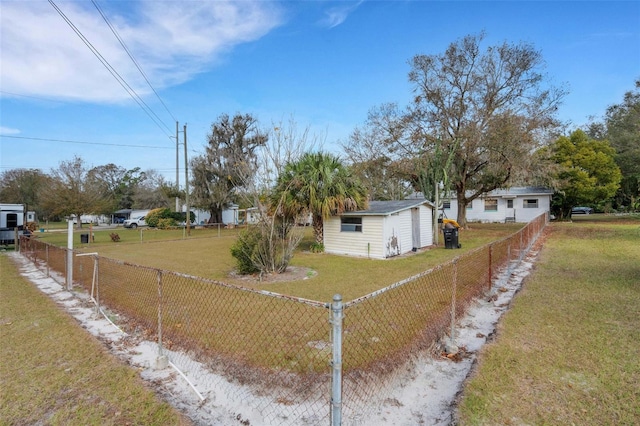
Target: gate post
[(336, 363)]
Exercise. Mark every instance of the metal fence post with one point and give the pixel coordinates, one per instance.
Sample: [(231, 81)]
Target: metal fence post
[(452, 341), (521, 248), (46, 248), (69, 271), (490, 266), (161, 361), (96, 278), (336, 363)]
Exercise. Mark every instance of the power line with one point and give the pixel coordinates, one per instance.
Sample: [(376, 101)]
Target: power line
[(112, 70), (126, 49), (86, 143), (29, 96)]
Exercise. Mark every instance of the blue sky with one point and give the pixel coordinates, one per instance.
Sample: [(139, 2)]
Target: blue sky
[(322, 64)]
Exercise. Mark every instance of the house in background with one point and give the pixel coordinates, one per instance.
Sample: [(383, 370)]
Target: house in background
[(119, 216), (518, 204), (202, 217), (385, 229)]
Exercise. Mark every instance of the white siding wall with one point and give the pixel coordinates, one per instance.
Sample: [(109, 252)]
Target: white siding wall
[(526, 215), (395, 234), (477, 212), (381, 236), (369, 242), (406, 231)]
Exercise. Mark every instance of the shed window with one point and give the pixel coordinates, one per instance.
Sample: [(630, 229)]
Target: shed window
[(351, 224), (446, 204), (530, 204), (491, 205), (509, 204)]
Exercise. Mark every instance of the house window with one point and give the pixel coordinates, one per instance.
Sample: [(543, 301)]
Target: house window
[(509, 204), (470, 206), (491, 205), (12, 220), (446, 204), (530, 204), (350, 224)]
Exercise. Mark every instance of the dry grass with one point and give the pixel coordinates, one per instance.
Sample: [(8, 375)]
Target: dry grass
[(210, 318), (53, 372), (207, 254), (567, 352)]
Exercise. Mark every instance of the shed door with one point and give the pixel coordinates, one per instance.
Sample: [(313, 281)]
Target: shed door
[(415, 227)]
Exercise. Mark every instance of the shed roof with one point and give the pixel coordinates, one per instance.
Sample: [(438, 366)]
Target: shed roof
[(386, 208)]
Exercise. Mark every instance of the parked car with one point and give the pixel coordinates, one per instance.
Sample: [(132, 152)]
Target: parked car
[(581, 210), (134, 223)]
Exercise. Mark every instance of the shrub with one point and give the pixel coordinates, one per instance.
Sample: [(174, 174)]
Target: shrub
[(164, 218), (166, 223), (244, 248), (316, 247), (154, 216), (266, 247)]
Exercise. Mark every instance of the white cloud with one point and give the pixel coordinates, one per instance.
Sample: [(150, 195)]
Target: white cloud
[(172, 41), (337, 15), (8, 131)]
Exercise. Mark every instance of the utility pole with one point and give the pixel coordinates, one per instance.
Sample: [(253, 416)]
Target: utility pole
[(186, 182), (177, 172)]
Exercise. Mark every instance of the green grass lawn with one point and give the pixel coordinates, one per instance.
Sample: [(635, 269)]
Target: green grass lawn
[(206, 253), (568, 351), (52, 372)]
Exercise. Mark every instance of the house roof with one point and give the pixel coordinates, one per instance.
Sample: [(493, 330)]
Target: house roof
[(512, 192), (522, 190), (385, 208)]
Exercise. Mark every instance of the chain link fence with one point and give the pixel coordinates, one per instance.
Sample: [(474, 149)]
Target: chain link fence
[(273, 353)]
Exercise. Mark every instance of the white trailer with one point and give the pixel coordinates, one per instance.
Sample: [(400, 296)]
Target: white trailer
[(11, 217)]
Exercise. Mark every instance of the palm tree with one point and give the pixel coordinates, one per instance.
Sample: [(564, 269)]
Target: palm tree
[(320, 185)]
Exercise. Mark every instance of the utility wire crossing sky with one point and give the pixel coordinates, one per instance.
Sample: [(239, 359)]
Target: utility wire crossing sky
[(107, 81)]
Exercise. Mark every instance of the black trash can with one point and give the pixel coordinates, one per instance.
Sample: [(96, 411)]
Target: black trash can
[(451, 238), (84, 238)]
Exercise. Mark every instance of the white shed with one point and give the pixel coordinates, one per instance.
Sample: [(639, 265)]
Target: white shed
[(385, 229)]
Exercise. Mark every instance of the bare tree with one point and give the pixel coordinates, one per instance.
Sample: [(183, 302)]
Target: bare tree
[(373, 158), (488, 109), (286, 144), (268, 245), (154, 191)]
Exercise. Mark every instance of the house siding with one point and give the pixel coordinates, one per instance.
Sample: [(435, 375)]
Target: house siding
[(477, 211)]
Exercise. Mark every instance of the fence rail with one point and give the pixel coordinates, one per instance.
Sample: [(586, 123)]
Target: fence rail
[(281, 349)]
